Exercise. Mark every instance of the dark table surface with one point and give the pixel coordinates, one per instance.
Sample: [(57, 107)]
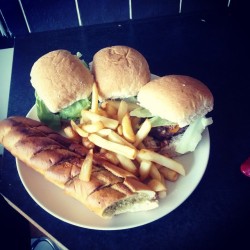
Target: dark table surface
[(214, 49)]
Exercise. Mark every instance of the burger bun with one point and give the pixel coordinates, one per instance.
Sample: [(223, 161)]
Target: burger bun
[(119, 72), (177, 98), (60, 79)]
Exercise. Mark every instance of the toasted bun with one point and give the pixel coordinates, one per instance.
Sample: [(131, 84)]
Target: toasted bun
[(60, 79), (109, 192), (177, 98), (120, 72)]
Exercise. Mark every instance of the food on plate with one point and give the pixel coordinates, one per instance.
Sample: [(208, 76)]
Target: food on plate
[(101, 186), (119, 71), (119, 138), (176, 106), (116, 154), (63, 85)]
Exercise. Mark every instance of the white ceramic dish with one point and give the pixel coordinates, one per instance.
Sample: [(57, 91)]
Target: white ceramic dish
[(54, 201)]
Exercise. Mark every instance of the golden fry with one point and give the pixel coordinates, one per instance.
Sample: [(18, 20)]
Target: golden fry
[(127, 129), (144, 169), (142, 133), (86, 168), (119, 129), (104, 132), (112, 157), (154, 172), (102, 112), (122, 110), (162, 194), (156, 185), (87, 143), (113, 147), (78, 130), (72, 134), (114, 137), (127, 164), (145, 154), (93, 117), (169, 174), (94, 101), (111, 110), (135, 121), (93, 127)]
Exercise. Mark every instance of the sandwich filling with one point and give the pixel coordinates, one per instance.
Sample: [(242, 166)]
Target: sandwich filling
[(165, 135), (54, 120), (134, 203)]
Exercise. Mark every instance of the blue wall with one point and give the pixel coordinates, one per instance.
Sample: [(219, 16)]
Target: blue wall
[(24, 16)]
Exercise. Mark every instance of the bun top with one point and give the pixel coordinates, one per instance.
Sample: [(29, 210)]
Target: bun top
[(119, 72), (60, 79), (177, 98)]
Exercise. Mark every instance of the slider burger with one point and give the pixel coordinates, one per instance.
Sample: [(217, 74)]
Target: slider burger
[(176, 106), (119, 72), (63, 85)]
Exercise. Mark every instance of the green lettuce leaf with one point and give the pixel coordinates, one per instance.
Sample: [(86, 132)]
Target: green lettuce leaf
[(50, 119), (53, 120), (156, 121), (73, 112), (141, 112)]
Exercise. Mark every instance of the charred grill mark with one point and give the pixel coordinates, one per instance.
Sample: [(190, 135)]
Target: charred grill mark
[(78, 149), (65, 170), (26, 129), (56, 156), (47, 148)]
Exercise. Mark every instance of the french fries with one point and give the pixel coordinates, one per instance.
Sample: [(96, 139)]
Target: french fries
[(142, 132), (110, 109), (94, 103), (122, 110), (144, 169), (154, 172), (78, 130), (113, 147), (93, 127), (127, 164), (113, 136), (156, 185), (116, 104), (87, 143), (168, 174), (146, 154), (72, 134), (108, 129), (85, 173), (127, 129), (93, 117), (112, 157)]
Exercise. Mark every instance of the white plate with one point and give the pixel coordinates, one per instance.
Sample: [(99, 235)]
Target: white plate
[(54, 201)]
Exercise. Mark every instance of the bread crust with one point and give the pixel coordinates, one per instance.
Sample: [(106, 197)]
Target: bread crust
[(177, 98), (60, 79), (60, 160), (119, 72)]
